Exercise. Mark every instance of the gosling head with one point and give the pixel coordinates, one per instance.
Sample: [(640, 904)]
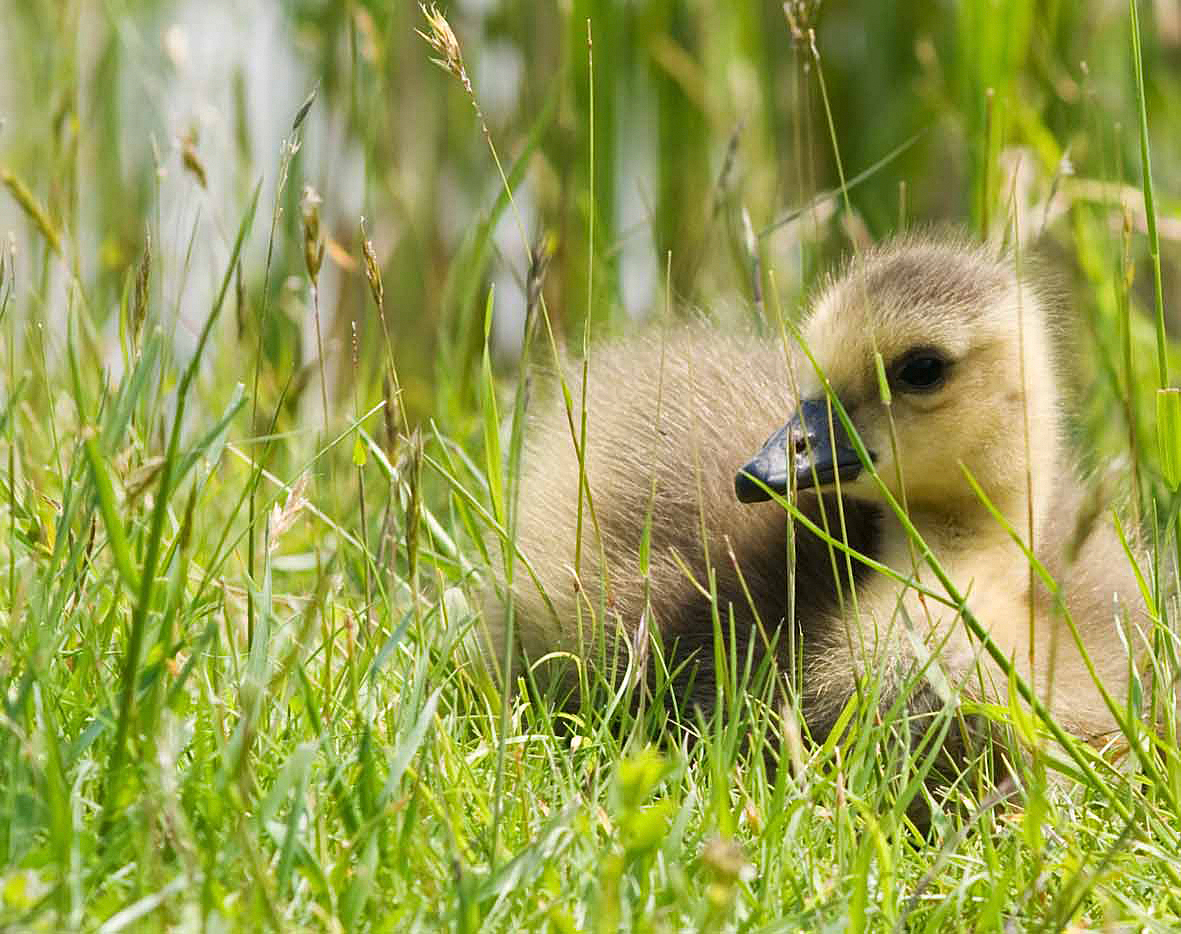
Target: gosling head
[(951, 322)]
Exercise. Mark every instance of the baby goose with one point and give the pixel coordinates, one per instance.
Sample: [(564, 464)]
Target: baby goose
[(668, 419), (966, 347)]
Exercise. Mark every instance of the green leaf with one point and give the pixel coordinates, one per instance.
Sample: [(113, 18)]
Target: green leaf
[(1168, 420), (212, 443), (409, 748), (861, 878), (116, 536), (883, 383), (1021, 718), (644, 829), (638, 777), (492, 459)]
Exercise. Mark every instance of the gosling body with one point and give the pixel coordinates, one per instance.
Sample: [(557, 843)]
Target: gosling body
[(971, 445), (669, 416)]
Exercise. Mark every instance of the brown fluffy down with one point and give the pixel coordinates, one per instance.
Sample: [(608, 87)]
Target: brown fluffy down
[(720, 397)]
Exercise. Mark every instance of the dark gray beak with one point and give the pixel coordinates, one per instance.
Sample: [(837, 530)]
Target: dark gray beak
[(803, 453)]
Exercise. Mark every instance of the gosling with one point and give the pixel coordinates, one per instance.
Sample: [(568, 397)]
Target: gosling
[(669, 416), (966, 349)]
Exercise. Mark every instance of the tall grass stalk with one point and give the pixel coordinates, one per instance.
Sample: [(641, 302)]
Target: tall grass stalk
[(1158, 293), (147, 578), (288, 148)]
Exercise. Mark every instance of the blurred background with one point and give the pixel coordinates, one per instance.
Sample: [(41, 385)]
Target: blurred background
[(129, 120)]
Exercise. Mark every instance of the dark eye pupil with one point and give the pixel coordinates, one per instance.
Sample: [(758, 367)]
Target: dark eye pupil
[(925, 372)]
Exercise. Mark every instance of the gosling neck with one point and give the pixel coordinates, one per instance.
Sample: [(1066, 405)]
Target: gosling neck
[(1018, 500)]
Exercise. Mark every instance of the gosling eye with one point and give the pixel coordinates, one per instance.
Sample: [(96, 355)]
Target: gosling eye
[(921, 371)]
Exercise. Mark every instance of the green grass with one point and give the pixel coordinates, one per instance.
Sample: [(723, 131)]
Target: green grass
[(235, 636)]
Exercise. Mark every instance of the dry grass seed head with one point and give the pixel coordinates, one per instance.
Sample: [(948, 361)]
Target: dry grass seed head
[(142, 286), (313, 243), (441, 38), (190, 160), (372, 269), (37, 214)]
